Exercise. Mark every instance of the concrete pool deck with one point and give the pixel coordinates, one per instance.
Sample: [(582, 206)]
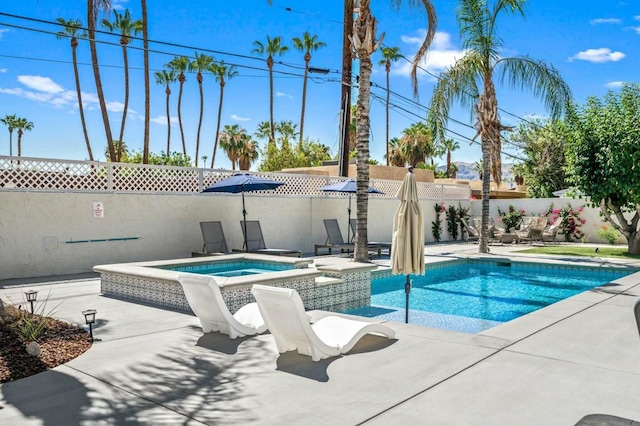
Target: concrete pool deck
[(553, 367)]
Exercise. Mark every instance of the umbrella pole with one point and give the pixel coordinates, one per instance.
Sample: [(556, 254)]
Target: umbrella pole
[(407, 290), (244, 224)]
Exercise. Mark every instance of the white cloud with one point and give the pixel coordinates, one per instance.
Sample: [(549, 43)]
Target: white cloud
[(605, 21), (283, 95), (441, 54), (3, 70), (637, 17), (614, 84), (41, 84), (599, 56), (2, 32), (236, 117), (45, 90), (162, 120), (119, 4)]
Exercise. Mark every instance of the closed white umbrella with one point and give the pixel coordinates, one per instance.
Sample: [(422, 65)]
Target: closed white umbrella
[(407, 246)]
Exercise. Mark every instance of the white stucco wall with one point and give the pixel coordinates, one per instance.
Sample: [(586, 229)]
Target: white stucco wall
[(535, 206), (36, 228)]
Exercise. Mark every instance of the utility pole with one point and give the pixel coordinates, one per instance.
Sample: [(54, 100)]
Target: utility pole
[(345, 99)]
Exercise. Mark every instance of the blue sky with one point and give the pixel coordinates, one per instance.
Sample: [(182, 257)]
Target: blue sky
[(590, 46)]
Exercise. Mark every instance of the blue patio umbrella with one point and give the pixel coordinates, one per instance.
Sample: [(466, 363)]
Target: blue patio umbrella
[(241, 183), (349, 187)]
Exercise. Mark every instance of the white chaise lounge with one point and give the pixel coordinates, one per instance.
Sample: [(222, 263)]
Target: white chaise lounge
[(205, 299), (283, 311)]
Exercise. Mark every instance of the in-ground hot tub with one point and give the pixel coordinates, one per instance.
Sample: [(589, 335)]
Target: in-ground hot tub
[(334, 288)]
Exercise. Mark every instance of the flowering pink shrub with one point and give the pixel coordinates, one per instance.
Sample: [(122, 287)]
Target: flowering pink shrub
[(570, 221)]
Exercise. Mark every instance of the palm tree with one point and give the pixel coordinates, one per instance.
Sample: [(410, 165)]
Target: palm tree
[(263, 131), (450, 145), (470, 80), (127, 27), (389, 55), (10, 122), (395, 156), (165, 78), (306, 44), (247, 152), (72, 29), (221, 72), (364, 44), (180, 64), (147, 82), (273, 47), (22, 124), (93, 8), (231, 141), (417, 144), (201, 63)]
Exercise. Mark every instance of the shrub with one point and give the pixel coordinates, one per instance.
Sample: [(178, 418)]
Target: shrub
[(571, 223), (609, 234), (452, 222), (436, 226), (511, 218)]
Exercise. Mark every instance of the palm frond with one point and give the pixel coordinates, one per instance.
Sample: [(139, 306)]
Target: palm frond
[(541, 78)]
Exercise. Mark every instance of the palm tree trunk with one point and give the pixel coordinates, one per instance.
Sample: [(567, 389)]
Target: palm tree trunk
[(20, 142), (307, 59), (486, 177), (388, 69), (199, 78), (79, 94), (215, 142), (448, 163), (273, 132), (168, 92), (147, 102), (364, 30), (184, 145), (125, 59), (91, 18), (11, 143)]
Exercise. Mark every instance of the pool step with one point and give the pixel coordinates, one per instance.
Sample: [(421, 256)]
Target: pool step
[(321, 281)]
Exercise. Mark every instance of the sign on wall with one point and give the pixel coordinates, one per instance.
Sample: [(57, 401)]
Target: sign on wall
[(98, 209)]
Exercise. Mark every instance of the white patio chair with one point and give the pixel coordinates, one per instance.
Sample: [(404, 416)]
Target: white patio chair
[(205, 299), (283, 311)]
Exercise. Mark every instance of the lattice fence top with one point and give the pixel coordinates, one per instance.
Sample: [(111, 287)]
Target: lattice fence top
[(23, 173)]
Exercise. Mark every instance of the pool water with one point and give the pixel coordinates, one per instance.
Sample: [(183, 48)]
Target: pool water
[(474, 296), (231, 269)]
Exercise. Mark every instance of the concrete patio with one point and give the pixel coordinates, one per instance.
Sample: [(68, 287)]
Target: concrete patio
[(152, 366)]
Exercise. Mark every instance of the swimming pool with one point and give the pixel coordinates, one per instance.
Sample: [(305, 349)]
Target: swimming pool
[(472, 296)]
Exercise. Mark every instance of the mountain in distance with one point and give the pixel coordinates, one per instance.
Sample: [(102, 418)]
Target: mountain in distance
[(466, 171)]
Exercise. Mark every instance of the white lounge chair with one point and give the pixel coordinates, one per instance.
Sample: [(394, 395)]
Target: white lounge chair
[(205, 299), (283, 311)]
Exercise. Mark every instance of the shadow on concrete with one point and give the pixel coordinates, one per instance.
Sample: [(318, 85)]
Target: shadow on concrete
[(52, 397), (221, 342), (301, 365), (180, 386)]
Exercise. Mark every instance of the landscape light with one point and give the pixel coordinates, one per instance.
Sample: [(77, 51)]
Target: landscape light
[(32, 295), (90, 318)]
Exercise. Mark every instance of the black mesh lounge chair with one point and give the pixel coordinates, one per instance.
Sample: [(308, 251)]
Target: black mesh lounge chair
[(213, 237), (373, 245), (334, 239), (256, 244)]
